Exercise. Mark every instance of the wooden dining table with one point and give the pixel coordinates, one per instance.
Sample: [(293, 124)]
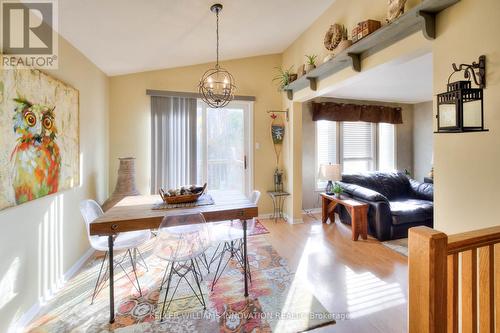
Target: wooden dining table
[(136, 213)]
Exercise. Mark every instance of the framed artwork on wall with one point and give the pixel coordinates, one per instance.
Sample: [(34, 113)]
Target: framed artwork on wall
[(39, 145)]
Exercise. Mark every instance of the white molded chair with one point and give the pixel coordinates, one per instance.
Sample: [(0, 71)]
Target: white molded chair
[(124, 241), (181, 241), (231, 240)]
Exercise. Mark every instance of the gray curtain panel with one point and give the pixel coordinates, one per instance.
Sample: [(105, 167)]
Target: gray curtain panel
[(173, 142)]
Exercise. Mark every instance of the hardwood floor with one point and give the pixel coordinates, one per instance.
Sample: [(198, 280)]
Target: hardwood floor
[(364, 280)]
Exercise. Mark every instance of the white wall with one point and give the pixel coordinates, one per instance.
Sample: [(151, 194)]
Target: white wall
[(423, 140), (42, 239)]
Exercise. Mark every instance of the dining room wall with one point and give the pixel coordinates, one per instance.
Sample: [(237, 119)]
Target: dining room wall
[(42, 240), (130, 119)]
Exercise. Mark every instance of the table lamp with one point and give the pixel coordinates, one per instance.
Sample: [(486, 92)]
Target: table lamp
[(329, 172)]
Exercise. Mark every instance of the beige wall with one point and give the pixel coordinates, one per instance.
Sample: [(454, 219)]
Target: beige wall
[(469, 162), (346, 12), (404, 139), (404, 147), (42, 239), (292, 160), (310, 197), (130, 114), (423, 139)]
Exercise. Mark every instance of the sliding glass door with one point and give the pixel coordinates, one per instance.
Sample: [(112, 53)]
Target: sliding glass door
[(223, 147)]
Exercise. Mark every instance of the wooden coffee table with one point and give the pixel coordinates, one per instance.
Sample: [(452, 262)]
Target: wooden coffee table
[(357, 210)]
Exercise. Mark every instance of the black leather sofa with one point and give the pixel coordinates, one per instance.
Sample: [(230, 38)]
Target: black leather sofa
[(396, 202)]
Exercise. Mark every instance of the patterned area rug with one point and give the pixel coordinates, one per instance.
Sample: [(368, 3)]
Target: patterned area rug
[(278, 300), (258, 229)]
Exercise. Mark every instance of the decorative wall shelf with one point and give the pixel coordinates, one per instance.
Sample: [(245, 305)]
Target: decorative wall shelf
[(421, 17)]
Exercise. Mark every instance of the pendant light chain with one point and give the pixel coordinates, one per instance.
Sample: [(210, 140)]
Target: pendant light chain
[(217, 86), (217, 32)]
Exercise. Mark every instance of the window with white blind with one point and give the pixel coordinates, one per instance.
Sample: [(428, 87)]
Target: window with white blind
[(326, 145), (357, 146), (386, 147)]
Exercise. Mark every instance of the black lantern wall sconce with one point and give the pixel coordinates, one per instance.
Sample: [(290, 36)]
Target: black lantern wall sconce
[(460, 108)]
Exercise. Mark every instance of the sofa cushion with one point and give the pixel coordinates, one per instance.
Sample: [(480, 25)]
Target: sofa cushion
[(424, 191), (410, 211), (392, 185), (361, 192)]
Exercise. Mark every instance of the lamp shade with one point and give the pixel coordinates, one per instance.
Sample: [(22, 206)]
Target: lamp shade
[(329, 172)]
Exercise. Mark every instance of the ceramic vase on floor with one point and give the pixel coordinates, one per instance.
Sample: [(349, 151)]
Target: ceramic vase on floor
[(125, 184)]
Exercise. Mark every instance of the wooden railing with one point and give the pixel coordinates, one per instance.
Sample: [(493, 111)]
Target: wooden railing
[(448, 272)]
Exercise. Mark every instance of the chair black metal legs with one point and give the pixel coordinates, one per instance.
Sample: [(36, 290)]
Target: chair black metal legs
[(235, 250), (183, 270), (132, 261), (103, 276), (94, 294)]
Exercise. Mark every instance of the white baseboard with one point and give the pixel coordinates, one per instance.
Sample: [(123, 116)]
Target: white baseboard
[(78, 265), (312, 210), (28, 316), (285, 216)]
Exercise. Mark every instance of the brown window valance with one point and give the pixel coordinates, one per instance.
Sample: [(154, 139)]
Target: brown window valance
[(355, 112)]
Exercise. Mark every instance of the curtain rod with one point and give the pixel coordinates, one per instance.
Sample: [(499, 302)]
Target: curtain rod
[(167, 93)]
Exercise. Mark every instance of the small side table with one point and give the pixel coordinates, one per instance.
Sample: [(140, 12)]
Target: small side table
[(357, 210), (278, 203)]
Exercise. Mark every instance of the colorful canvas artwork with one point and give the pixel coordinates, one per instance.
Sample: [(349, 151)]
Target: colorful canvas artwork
[(39, 141)]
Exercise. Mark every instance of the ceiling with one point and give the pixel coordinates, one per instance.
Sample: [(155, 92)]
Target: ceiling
[(407, 80), (125, 36)]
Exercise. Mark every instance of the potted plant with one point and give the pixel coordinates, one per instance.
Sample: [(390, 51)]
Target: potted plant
[(311, 62), (337, 190), (344, 43), (284, 77)]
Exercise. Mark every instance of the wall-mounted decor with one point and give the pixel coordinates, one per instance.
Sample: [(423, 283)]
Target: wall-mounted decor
[(277, 132), (344, 43), (333, 36), (364, 28), (39, 149), (421, 17), (284, 77), (460, 108), (278, 135), (395, 9), (310, 63)]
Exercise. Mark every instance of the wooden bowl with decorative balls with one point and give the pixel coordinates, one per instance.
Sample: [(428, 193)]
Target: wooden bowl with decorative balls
[(183, 194)]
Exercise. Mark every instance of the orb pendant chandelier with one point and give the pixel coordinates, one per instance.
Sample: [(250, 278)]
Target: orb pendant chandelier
[(217, 84)]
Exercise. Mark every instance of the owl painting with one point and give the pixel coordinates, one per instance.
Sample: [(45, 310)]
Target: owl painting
[(40, 141), (36, 157)]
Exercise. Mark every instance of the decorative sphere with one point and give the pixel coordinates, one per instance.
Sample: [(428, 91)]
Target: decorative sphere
[(217, 87)]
